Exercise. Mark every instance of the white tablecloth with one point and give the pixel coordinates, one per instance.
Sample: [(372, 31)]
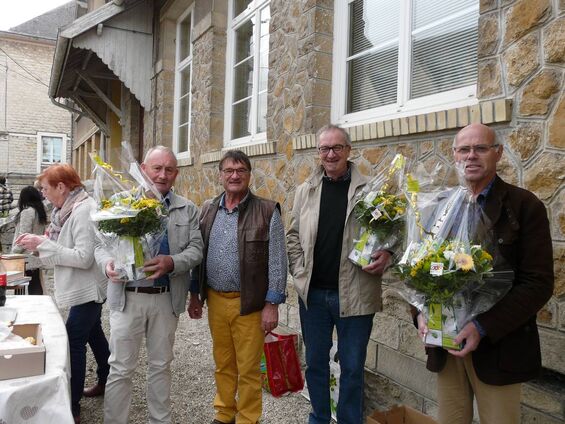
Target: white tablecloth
[(41, 399)]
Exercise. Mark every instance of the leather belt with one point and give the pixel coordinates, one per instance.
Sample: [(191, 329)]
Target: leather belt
[(149, 290)]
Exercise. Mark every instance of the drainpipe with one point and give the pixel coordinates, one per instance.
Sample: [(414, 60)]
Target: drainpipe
[(64, 106)]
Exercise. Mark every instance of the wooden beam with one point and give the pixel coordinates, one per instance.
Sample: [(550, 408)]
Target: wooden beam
[(100, 93), (92, 114)]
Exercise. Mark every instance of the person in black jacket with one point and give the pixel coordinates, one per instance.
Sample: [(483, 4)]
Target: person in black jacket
[(501, 346)]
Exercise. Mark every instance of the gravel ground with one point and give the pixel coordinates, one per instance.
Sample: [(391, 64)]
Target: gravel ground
[(193, 382)]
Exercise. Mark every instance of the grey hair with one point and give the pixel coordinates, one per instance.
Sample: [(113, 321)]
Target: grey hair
[(332, 127), (160, 148)]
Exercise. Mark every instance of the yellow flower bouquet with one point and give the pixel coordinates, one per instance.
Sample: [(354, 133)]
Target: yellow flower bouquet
[(439, 270), (380, 209), (131, 216), (448, 270)]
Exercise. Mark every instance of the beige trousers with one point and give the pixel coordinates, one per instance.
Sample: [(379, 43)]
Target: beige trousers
[(150, 316), (457, 384)]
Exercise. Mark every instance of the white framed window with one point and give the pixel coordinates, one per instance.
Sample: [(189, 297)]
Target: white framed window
[(51, 149), (247, 70), (400, 58), (183, 84)]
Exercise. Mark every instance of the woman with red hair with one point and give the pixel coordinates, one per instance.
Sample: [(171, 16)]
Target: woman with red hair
[(68, 246)]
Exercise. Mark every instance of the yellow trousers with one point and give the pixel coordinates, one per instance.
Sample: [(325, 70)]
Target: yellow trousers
[(458, 383), (237, 346)]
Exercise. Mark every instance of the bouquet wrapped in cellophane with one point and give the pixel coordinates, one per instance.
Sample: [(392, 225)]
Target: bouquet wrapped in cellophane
[(450, 269), (131, 218), (380, 208)]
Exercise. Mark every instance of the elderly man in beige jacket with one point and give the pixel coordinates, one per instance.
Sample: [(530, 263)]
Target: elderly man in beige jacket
[(151, 307)]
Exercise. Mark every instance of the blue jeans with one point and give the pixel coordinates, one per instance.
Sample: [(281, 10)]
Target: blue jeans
[(84, 326), (353, 334)]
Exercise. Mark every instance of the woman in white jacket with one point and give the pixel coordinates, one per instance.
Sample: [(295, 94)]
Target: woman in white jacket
[(68, 246), (32, 219)]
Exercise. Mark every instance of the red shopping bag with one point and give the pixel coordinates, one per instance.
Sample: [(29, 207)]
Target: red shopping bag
[(283, 367)]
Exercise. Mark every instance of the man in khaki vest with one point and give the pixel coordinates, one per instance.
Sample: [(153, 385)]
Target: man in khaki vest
[(243, 278)]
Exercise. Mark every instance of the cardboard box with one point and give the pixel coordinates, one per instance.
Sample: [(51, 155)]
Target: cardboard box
[(24, 361), (400, 415)]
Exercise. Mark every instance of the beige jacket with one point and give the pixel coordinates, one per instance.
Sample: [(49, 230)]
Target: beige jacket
[(359, 292)]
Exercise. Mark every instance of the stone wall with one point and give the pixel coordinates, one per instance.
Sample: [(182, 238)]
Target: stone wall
[(521, 95)]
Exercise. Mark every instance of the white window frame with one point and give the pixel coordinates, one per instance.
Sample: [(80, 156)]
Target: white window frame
[(234, 22), (40, 136), (460, 97), (179, 67)]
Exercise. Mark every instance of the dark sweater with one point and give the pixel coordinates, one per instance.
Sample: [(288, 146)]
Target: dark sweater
[(327, 250)]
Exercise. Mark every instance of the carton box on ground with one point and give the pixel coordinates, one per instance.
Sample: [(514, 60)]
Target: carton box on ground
[(400, 415), (23, 361)]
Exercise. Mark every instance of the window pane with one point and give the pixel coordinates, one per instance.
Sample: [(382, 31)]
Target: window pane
[(373, 73), (52, 149), (57, 142), (429, 11), (244, 41), (373, 23), (264, 49), (184, 42), (240, 119), (262, 113), (183, 138), (243, 80), (46, 155), (444, 51), (239, 6), (185, 81), (184, 110)]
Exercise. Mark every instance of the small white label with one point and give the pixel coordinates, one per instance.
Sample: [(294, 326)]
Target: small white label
[(436, 268), (376, 214)]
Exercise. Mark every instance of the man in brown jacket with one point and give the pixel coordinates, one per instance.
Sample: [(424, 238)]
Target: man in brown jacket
[(243, 280), (501, 346)]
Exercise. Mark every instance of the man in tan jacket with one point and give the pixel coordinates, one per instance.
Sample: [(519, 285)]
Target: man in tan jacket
[(333, 291)]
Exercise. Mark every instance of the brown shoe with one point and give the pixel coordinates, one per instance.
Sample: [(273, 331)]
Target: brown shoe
[(94, 391)]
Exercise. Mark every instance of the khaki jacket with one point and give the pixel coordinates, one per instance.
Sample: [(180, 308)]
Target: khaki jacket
[(359, 292)]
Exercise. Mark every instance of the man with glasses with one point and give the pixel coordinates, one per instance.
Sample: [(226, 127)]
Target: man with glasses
[(243, 279), (334, 293), (501, 346), (150, 308)]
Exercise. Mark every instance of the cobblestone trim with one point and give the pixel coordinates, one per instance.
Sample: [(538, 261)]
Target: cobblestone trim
[(487, 112)]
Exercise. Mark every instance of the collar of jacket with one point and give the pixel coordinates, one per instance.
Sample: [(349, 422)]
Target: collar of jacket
[(177, 201), (241, 206), (316, 178)]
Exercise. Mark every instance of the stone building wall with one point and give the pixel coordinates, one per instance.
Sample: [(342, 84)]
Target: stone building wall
[(521, 95)]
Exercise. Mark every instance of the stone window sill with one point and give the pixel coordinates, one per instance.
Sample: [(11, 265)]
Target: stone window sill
[(487, 112), (260, 149)]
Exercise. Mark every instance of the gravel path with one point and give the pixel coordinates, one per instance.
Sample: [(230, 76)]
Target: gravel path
[(193, 383)]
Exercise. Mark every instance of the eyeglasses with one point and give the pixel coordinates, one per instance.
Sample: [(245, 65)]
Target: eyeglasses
[(338, 148), (479, 149), (239, 171)]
